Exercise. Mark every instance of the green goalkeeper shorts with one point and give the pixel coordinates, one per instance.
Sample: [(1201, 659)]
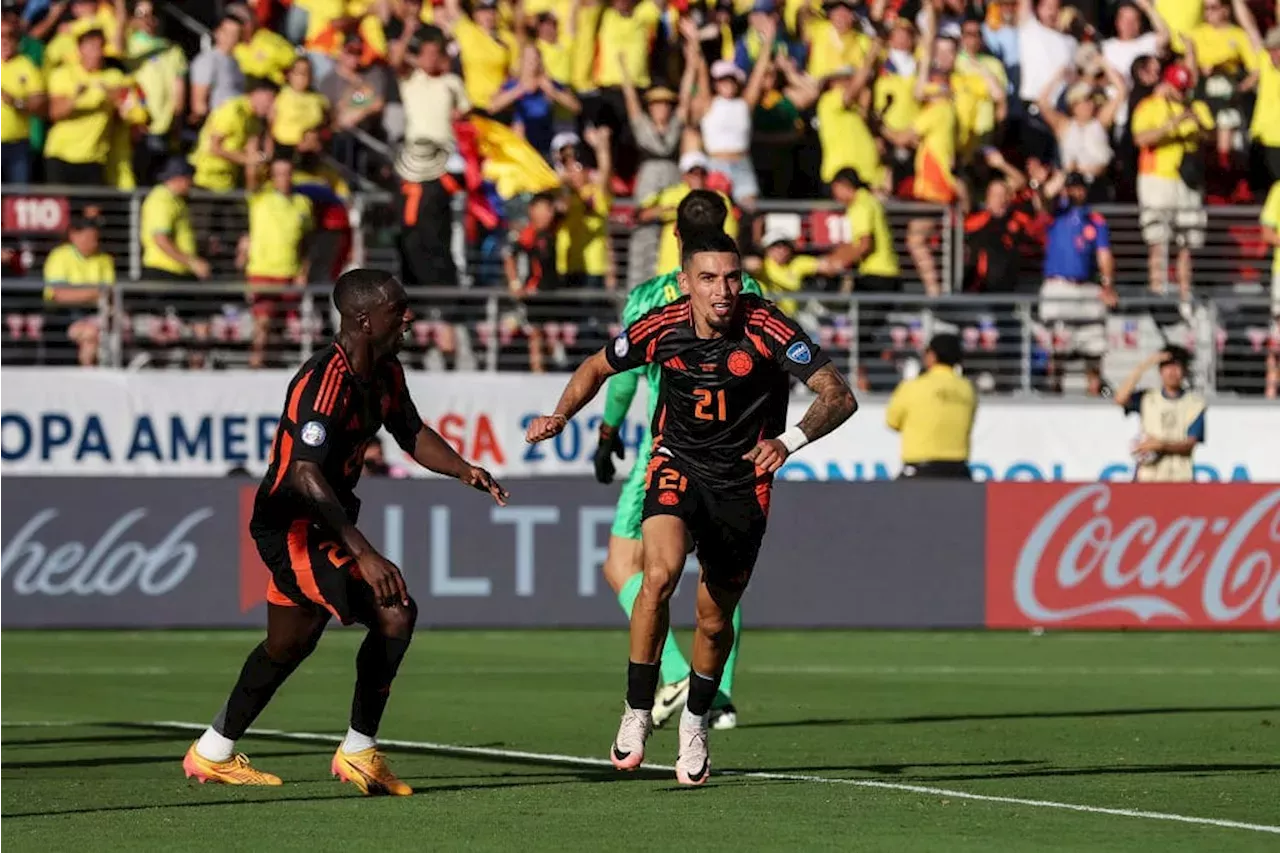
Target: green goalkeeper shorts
[(627, 518)]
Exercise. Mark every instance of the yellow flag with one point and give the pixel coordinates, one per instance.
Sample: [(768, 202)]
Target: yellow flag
[(512, 164)]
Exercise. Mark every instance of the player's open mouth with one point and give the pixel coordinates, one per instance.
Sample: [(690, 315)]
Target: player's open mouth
[(722, 309)]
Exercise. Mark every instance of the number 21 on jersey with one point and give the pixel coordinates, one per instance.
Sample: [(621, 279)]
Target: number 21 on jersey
[(710, 405)]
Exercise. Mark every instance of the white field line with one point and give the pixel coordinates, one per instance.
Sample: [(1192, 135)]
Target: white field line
[(853, 670), (579, 761)]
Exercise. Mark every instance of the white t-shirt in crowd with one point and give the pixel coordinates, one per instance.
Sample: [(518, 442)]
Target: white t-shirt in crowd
[(1121, 54), (429, 103), (1042, 53)]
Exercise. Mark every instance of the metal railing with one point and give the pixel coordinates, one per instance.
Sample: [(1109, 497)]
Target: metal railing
[(877, 338), (35, 217)]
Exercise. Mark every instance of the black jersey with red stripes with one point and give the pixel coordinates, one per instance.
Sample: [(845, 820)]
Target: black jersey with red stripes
[(330, 417), (719, 396)]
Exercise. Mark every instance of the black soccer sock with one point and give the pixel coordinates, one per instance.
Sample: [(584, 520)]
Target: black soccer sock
[(376, 665), (702, 692), (642, 683), (259, 679)]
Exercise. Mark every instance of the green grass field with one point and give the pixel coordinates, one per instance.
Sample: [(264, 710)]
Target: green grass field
[(1170, 725)]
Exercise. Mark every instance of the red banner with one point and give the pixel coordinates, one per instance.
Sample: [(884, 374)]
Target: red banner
[(1130, 555)]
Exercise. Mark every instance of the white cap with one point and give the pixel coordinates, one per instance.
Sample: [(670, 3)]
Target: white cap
[(726, 68), (691, 160), (566, 139), (774, 236)]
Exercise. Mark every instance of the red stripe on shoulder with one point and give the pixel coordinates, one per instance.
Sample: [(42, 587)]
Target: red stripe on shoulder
[(333, 383), (777, 331), (326, 379), (295, 396), (669, 316)]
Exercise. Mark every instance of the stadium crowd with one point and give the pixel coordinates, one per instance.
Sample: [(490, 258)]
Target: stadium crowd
[(982, 105)]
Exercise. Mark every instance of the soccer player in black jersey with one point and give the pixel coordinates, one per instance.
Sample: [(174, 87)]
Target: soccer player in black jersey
[(718, 439), (304, 524)]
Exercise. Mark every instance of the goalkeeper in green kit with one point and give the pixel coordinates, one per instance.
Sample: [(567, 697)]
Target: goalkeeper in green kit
[(701, 210)]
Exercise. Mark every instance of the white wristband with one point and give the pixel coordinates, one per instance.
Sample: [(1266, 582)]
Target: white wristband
[(793, 439)]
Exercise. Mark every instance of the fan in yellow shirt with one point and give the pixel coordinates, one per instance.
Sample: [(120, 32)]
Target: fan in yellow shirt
[(85, 99), (1271, 234), (842, 62), (893, 93), (1181, 16), (73, 275), (556, 47), (298, 109), (984, 76), (488, 53), (870, 244), (1265, 129), (1220, 46), (1170, 127), (661, 207), (583, 257), (835, 43), (22, 94), (934, 135), (262, 52), (231, 138), (159, 68), (168, 240), (870, 250), (85, 15), (1167, 128), (320, 14), (623, 40), (279, 222), (581, 31), (782, 271)]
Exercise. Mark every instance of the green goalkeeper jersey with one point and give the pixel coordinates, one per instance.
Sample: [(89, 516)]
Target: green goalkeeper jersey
[(654, 293)]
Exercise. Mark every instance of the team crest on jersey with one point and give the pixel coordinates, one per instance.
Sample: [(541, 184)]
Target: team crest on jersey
[(621, 346), (312, 434), (668, 498), (799, 353), (739, 363)]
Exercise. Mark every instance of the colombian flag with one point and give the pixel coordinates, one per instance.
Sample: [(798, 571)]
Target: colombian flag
[(512, 164)]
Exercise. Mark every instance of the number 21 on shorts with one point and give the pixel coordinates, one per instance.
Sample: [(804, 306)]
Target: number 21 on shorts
[(706, 398), (671, 484)]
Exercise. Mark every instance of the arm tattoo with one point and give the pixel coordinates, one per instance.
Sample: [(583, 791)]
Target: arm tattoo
[(833, 406)]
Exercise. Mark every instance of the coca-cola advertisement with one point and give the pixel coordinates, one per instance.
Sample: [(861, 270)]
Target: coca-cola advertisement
[(1133, 555)]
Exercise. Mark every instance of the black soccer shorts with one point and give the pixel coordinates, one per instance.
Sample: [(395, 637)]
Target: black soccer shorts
[(726, 524), (310, 568)]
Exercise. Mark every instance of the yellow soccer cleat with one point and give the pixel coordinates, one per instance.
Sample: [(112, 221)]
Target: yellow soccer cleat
[(368, 771), (236, 771)]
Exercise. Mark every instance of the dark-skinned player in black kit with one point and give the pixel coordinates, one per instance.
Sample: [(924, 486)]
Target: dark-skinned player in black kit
[(304, 524), (718, 439)]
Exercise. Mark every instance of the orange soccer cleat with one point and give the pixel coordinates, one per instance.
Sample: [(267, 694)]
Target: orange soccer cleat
[(236, 771), (368, 771)]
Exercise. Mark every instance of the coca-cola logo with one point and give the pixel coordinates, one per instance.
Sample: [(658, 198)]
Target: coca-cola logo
[(1177, 555), (108, 566)]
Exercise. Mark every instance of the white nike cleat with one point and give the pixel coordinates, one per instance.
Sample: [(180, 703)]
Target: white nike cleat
[(627, 752), (668, 700), (724, 718), (693, 764)]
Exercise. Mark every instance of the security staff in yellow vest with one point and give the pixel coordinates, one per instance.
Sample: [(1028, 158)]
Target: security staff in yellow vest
[(934, 413), (1172, 418)]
